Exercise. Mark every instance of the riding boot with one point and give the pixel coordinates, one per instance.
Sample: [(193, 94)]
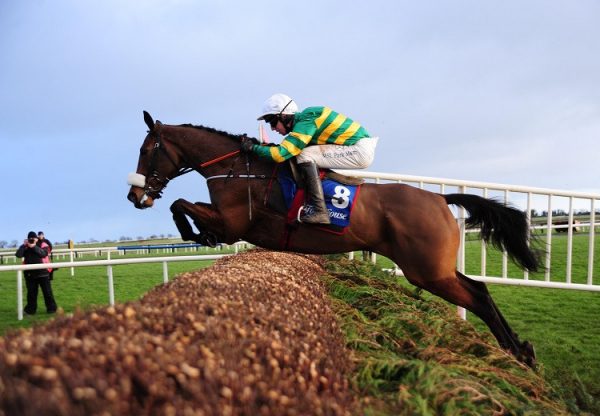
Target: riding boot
[(317, 212)]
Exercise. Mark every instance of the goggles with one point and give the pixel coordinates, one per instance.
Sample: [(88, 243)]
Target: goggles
[(272, 119)]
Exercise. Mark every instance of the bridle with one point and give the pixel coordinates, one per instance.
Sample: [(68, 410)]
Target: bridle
[(155, 177), (155, 183)]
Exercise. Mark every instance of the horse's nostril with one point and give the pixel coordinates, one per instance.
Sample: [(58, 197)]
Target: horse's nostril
[(131, 197)]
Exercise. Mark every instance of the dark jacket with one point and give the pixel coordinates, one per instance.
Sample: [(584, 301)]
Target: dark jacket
[(33, 255)]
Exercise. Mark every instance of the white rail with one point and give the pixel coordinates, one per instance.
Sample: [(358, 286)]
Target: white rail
[(109, 263), (521, 196)]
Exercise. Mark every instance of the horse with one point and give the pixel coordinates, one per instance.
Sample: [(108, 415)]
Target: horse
[(413, 227)]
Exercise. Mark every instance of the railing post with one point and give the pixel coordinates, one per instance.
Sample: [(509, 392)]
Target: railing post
[(484, 246), (505, 253), (19, 295), (165, 272), (462, 312), (111, 287), (590, 276), (71, 259), (570, 241), (548, 247), (529, 230)]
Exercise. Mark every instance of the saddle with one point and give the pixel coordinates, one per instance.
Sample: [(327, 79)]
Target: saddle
[(326, 174)]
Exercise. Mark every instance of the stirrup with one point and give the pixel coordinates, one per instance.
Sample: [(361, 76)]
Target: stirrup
[(299, 215)]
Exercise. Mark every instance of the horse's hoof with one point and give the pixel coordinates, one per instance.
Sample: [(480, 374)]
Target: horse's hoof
[(528, 354), (209, 239)]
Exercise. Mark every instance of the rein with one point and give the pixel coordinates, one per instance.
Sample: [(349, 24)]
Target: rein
[(218, 159)]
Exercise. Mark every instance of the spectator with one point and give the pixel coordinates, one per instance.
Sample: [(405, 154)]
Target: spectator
[(34, 254), (43, 240)]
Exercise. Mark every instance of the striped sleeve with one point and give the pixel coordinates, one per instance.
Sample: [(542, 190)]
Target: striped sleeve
[(292, 145)]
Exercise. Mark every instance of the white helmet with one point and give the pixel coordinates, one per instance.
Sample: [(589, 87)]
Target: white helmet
[(279, 104)]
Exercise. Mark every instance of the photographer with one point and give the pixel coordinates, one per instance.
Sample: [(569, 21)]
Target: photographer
[(34, 254)]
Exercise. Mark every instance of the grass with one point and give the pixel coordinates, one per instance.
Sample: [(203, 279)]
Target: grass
[(89, 286), (414, 356), (562, 324)]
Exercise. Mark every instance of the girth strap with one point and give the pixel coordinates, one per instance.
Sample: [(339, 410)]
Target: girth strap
[(236, 176)]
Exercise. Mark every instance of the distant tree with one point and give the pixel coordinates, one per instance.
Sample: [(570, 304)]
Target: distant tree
[(124, 238), (13, 243), (534, 213), (3, 243), (153, 237)]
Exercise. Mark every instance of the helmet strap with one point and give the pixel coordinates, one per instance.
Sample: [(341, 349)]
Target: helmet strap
[(284, 107)]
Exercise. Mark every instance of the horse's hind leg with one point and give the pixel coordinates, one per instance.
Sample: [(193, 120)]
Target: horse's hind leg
[(525, 351), (474, 296)]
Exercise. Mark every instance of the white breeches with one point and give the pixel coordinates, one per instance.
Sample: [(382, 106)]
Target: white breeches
[(333, 156)]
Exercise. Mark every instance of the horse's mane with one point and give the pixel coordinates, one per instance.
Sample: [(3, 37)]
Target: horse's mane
[(211, 130)]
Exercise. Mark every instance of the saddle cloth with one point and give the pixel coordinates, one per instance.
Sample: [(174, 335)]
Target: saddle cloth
[(339, 199)]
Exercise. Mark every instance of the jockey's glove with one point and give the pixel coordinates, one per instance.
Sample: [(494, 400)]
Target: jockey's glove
[(247, 144)]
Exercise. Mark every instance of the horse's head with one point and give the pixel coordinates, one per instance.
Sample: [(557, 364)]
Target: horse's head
[(157, 165)]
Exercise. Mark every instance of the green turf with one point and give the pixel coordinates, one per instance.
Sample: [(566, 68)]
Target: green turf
[(563, 325), (414, 356), (89, 286)]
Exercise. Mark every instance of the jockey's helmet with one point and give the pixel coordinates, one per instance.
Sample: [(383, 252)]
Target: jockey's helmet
[(278, 104)]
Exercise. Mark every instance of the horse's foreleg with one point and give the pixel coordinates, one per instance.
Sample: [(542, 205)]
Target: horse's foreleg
[(207, 220)]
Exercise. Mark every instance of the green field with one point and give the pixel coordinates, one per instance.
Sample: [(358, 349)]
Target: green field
[(89, 285), (563, 325)]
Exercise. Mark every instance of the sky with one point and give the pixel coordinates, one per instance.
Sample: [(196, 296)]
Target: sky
[(505, 92)]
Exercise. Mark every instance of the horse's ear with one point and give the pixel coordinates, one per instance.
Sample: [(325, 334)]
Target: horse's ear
[(148, 120)]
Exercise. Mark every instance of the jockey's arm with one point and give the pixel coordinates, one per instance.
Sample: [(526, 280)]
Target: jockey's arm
[(292, 145)]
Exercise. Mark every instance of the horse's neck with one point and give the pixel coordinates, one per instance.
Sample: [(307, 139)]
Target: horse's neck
[(204, 145)]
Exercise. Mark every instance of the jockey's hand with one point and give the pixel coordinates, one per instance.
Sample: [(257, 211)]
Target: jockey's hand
[(247, 144)]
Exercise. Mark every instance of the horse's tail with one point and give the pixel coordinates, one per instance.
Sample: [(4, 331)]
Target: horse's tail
[(502, 225)]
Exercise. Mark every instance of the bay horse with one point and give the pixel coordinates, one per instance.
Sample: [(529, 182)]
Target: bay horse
[(413, 227)]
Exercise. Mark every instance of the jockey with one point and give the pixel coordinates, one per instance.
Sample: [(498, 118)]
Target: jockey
[(319, 138)]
